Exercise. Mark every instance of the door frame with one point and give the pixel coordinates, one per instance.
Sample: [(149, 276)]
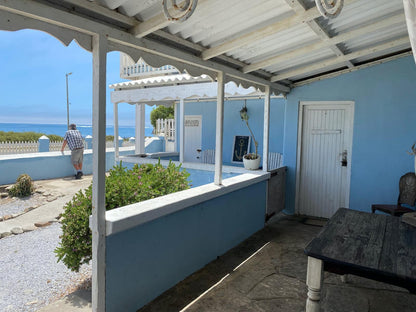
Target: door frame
[(349, 127), (184, 128)]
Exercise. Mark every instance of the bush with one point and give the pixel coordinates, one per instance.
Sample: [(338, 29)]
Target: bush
[(11, 136), (23, 186), (123, 187), (161, 112)]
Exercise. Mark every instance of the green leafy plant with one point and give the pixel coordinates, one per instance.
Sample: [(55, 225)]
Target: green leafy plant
[(244, 117), (123, 187), (30, 136), (161, 112), (23, 186)]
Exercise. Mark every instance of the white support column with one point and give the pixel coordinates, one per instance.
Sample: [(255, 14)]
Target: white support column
[(314, 280), (140, 129), (219, 129), (116, 148), (99, 53), (182, 130), (175, 116), (266, 129)]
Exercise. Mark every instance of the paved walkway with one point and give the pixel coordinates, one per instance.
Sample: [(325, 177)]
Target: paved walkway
[(265, 273), (63, 188)]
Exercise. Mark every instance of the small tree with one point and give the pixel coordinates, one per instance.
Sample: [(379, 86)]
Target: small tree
[(122, 187), (161, 112)]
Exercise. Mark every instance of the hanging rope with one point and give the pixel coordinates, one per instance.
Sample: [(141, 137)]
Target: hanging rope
[(181, 11), (329, 8)]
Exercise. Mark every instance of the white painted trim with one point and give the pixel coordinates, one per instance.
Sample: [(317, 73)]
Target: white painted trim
[(219, 135), (98, 227), (266, 129), (182, 130), (348, 127), (124, 218), (116, 147)]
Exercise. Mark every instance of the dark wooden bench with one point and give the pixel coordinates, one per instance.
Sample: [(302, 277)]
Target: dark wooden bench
[(374, 246)]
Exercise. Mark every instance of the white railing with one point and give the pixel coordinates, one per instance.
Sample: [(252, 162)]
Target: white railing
[(129, 69), (166, 127), (7, 148)]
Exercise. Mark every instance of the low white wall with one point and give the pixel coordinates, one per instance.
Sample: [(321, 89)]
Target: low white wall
[(49, 165)]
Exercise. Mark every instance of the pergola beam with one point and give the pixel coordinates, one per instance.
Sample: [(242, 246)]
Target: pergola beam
[(324, 44), (341, 59), (269, 30)]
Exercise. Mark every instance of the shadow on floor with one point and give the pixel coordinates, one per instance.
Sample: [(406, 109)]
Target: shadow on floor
[(267, 272)]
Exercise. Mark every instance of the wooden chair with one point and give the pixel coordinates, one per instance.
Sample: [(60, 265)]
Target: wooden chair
[(407, 195)]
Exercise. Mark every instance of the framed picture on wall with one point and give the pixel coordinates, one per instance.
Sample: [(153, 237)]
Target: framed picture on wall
[(241, 146)]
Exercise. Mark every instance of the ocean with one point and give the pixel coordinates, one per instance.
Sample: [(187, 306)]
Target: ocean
[(124, 132)]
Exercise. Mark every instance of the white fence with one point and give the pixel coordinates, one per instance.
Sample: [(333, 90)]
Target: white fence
[(166, 127), (7, 148)]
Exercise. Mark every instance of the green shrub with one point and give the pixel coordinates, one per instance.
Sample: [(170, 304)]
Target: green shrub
[(11, 136), (123, 187), (23, 186)]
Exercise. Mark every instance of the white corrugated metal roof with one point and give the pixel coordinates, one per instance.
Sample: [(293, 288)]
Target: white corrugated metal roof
[(251, 37), (158, 81)]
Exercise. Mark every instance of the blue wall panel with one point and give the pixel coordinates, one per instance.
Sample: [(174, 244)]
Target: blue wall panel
[(233, 125), (384, 128), (145, 261)]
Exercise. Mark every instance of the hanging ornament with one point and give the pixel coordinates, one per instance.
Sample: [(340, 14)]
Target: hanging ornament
[(181, 12), (329, 8)]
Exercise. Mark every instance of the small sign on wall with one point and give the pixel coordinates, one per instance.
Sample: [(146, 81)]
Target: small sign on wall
[(241, 146)]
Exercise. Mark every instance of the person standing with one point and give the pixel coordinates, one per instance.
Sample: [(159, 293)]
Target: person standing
[(75, 143)]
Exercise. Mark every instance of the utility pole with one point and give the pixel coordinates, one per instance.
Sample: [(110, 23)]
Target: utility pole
[(67, 100)]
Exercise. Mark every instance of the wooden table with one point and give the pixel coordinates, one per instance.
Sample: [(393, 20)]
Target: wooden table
[(374, 246)]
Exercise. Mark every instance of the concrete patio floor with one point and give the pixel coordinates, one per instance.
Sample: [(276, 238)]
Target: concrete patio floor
[(267, 272)]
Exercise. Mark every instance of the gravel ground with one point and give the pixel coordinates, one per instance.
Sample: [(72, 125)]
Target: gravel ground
[(30, 275), (15, 205)]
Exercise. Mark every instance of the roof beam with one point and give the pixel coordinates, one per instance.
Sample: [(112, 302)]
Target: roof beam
[(323, 44), (251, 37), (317, 29), (155, 23), (93, 6), (63, 18), (341, 59)]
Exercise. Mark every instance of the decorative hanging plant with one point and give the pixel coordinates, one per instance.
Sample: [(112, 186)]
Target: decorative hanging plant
[(413, 152), (244, 117)]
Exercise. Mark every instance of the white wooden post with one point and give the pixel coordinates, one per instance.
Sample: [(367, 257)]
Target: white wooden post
[(116, 147), (219, 129), (140, 129), (314, 280), (266, 129), (175, 105), (99, 53), (182, 130)]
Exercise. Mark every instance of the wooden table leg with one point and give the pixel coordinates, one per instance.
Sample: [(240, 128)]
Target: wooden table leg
[(314, 282)]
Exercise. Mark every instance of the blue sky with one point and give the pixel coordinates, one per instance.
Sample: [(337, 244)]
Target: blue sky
[(32, 81)]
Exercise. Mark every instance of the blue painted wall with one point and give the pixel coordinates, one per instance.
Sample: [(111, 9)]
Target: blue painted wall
[(48, 165), (145, 261), (384, 128), (233, 125)]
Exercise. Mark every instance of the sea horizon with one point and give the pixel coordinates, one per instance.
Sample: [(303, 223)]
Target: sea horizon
[(60, 129)]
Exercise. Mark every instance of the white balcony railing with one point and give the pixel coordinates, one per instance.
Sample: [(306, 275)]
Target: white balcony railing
[(131, 70)]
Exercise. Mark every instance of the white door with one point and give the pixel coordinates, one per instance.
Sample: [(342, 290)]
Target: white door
[(193, 138), (324, 157)]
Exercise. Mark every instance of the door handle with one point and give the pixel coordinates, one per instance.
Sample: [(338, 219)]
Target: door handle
[(344, 161)]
